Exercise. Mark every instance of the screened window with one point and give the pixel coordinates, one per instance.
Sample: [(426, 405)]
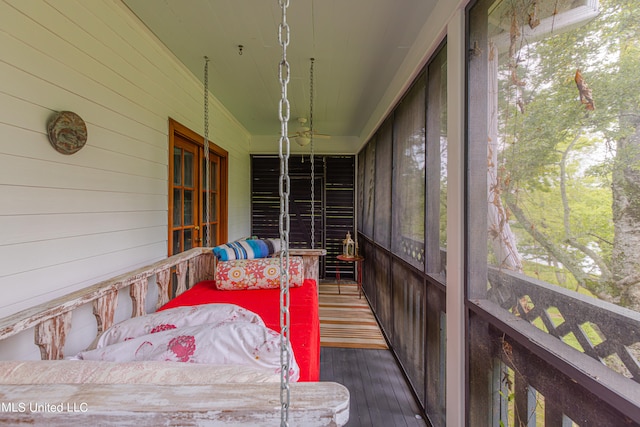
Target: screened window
[(384, 158), (563, 145), (401, 205), (369, 187), (436, 160), (409, 176), (553, 159)]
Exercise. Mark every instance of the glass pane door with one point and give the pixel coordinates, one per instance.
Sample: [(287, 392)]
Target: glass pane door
[(197, 194), (185, 222), (211, 194)]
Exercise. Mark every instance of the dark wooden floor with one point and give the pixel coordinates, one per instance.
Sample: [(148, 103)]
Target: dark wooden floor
[(379, 394)]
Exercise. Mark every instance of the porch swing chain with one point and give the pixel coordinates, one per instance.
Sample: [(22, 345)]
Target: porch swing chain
[(284, 186), (311, 158), (207, 206)]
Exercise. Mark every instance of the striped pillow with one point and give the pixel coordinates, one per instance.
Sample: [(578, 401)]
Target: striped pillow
[(247, 249)]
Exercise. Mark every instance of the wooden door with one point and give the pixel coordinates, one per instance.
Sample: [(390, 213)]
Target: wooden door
[(189, 223), (211, 223)]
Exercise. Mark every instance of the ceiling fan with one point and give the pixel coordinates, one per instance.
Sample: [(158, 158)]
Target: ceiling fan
[(303, 134)]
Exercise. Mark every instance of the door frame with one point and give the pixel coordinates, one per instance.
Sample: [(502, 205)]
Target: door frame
[(175, 128)]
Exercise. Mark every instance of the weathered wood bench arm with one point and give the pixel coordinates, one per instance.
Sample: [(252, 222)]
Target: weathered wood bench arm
[(310, 260), (52, 320), (257, 405)]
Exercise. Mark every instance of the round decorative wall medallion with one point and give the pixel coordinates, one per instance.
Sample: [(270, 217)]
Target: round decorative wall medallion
[(67, 132)]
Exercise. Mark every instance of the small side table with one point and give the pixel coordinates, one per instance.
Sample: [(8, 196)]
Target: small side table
[(358, 260)]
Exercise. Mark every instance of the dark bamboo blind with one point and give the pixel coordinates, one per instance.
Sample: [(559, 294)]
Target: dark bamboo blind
[(334, 203)]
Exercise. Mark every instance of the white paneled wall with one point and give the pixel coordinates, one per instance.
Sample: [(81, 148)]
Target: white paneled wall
[(70, 221)]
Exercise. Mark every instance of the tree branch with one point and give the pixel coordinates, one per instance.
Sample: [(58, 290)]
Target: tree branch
[(561, 255), (569, 237)]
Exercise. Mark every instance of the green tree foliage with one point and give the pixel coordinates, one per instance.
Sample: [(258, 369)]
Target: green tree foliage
[(570, 174)]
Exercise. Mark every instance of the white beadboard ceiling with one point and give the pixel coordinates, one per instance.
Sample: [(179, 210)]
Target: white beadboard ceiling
[(358, 46)]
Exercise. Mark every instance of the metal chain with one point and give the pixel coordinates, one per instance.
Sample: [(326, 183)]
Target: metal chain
[(207, 211), (313, 183), (284, 150)]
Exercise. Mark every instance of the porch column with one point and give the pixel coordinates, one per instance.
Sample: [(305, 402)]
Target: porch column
[(455, 327)]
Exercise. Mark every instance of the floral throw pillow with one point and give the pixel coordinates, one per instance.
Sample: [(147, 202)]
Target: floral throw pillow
[(262, 273)]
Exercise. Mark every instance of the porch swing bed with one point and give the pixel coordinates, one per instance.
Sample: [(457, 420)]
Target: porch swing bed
[(153, 392)]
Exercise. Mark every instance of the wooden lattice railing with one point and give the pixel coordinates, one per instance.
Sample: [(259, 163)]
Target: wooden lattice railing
[(604, 331), (553, 353)]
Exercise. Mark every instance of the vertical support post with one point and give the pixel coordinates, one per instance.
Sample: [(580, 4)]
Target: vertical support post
[(104, 309), (455, 300), (525, 402), (163, 278), (138, 293), (181, 273), (499, 392), (195, 265), (51, 334)]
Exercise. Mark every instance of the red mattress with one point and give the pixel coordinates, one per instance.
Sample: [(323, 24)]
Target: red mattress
[(303, 308)]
